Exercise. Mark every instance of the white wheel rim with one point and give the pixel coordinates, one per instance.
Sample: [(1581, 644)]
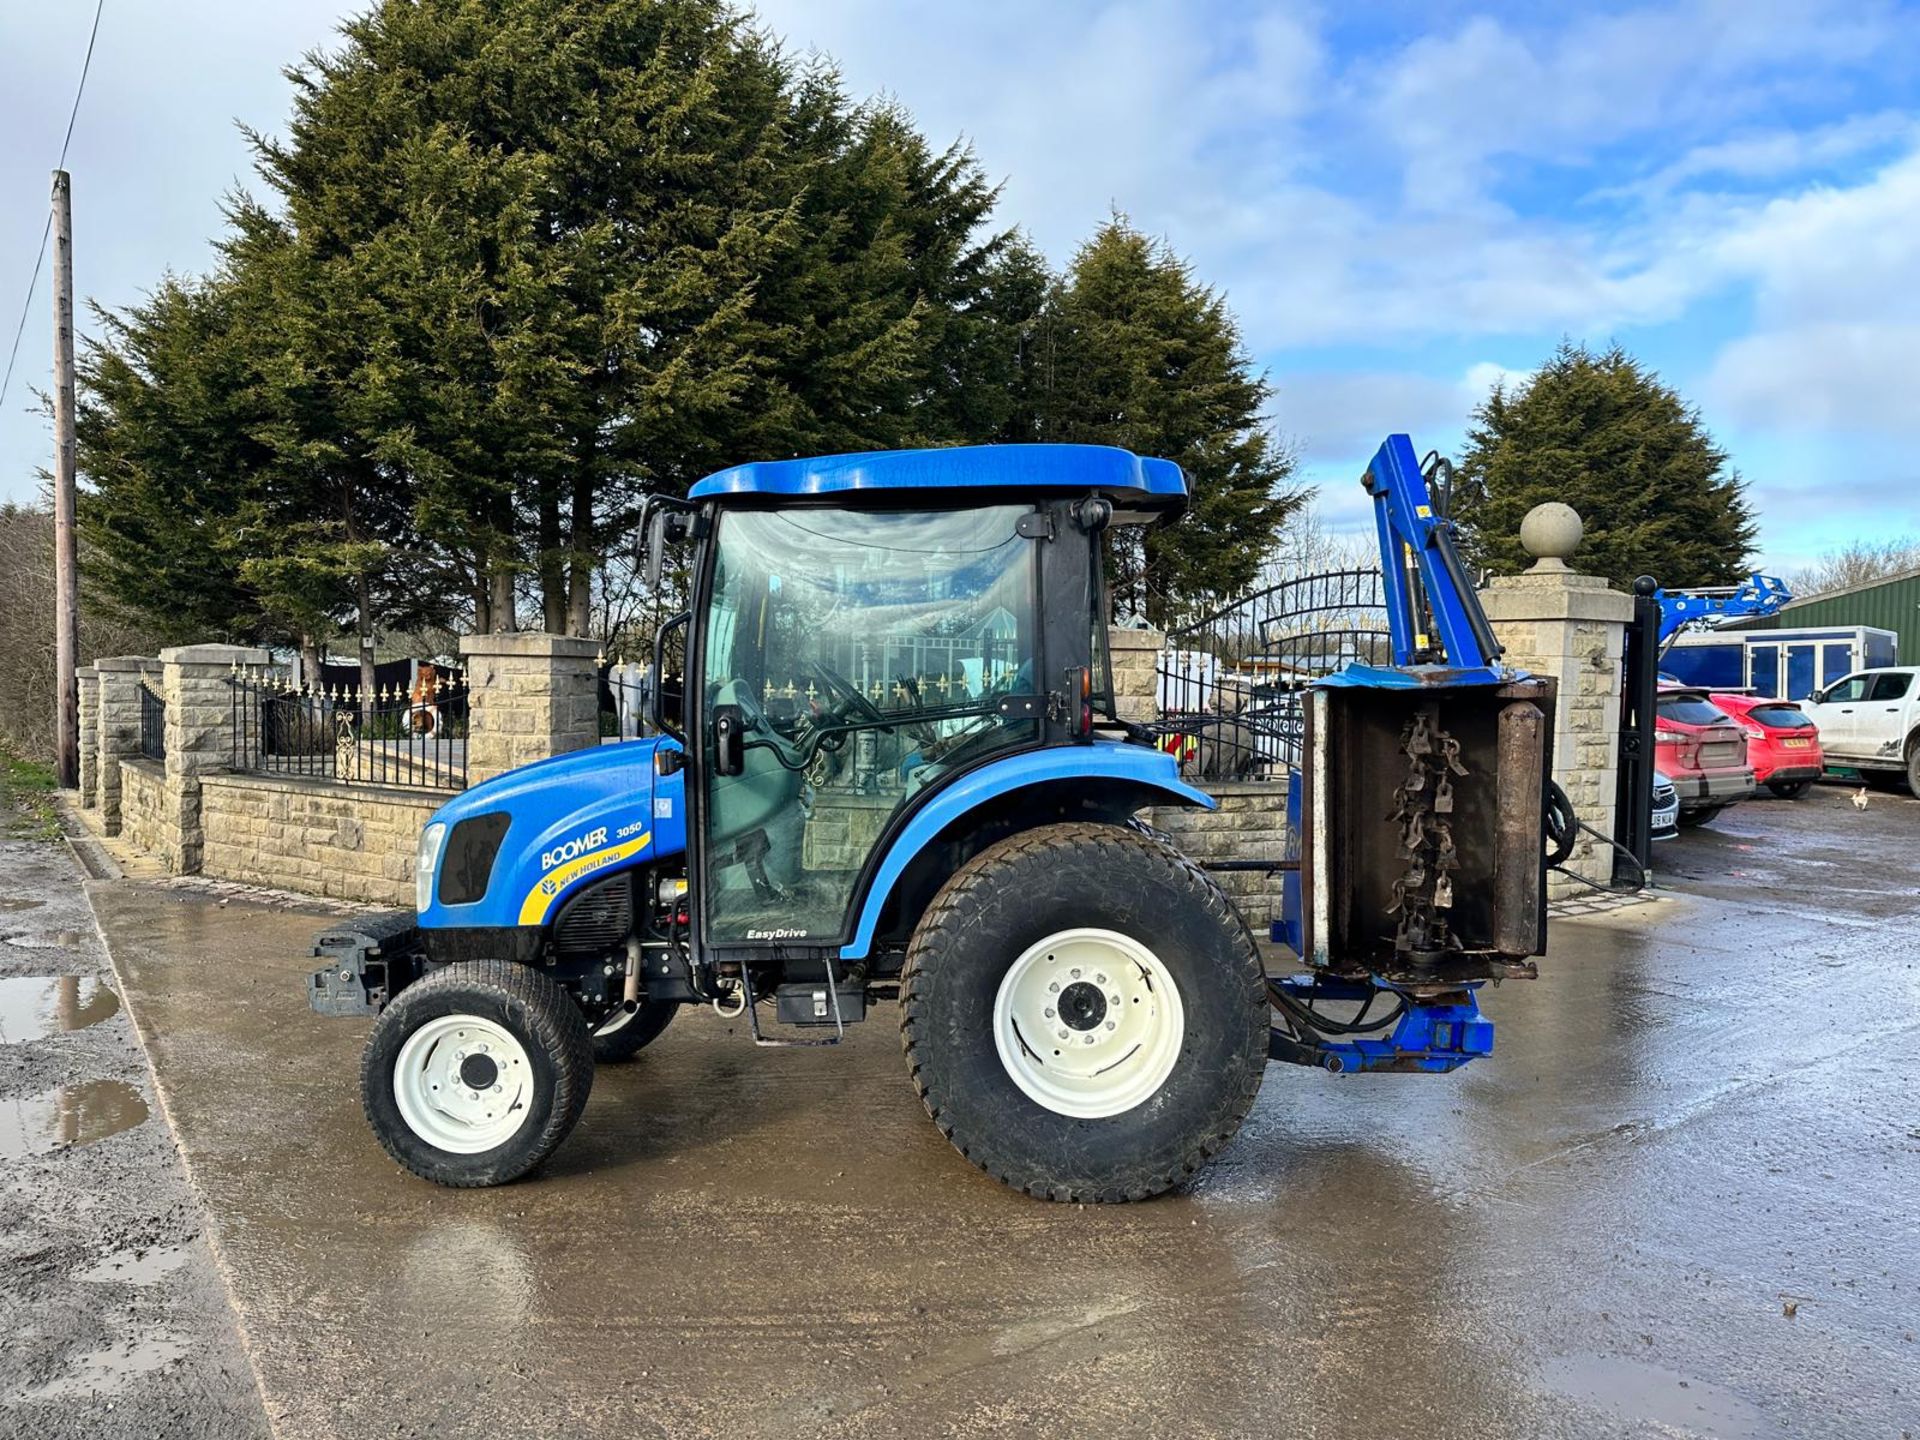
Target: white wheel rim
[(437, 1084), (1088, 1023)]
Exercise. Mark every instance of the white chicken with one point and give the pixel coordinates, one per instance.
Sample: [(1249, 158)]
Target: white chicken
[(1860, 798)]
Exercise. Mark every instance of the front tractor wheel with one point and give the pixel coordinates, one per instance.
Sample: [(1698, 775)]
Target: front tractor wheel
[(1084, 1014), (474, 1075)]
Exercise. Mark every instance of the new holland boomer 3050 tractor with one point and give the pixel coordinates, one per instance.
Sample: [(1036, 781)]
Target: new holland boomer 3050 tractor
[(895, 771)]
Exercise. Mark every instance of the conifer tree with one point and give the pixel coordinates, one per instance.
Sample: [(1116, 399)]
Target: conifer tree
[(1139, 354), (1602, 433)]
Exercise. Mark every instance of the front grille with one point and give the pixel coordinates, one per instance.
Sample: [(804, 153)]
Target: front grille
[(598, 918)]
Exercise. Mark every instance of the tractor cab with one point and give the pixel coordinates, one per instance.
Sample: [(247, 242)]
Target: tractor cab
[(864, 632)]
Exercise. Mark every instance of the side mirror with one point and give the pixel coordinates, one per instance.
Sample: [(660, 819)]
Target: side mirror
[(1818, 697), (656, 543)]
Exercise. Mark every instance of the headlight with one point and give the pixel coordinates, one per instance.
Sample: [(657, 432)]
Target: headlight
[(425, 862)]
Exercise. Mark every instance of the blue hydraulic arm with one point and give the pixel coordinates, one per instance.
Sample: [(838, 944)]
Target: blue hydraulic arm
[(1433, 613), (1755, 596)]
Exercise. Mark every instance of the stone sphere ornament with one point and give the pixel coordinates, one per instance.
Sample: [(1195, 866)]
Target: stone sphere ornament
[(1550, 533)]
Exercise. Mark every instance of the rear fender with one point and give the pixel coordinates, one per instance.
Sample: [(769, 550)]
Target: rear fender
[(1107, 775)]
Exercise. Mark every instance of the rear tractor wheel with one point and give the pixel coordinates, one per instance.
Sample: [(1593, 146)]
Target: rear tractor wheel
[(625, 1033), (1084, 1014), (473, 1075)]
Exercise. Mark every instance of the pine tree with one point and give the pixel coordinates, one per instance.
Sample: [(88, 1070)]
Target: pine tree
[(1602, 433), (1138, 354), (165, 426)]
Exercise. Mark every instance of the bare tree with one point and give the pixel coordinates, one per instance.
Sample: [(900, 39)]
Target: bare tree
[(1306, 546), (1857, 563), (26, 640)]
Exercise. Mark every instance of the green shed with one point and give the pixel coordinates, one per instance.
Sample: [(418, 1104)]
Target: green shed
[(1889, 603)]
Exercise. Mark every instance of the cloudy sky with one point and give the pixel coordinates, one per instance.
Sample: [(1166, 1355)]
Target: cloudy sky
[(1401, 206)]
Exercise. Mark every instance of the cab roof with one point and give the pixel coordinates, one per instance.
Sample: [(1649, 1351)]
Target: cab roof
[(1135, 483)]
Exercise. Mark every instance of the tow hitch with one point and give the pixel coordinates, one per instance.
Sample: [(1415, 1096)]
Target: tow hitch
[(367, 961)]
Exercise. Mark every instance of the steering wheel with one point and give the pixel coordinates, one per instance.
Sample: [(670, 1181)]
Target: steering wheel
[(854, 702)]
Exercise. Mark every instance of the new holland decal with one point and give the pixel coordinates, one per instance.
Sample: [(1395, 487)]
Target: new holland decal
[(533, 910)]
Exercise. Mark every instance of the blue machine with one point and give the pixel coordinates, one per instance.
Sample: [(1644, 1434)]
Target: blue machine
[(1753, 597), (889, 762), (1446, 709)]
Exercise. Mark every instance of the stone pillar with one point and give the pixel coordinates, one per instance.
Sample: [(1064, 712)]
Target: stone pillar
[(196, 681), (1555, 621), (118, 726), (87, 681), (1136, 662), (529, 695)]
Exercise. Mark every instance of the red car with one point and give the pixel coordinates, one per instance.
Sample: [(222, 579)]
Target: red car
[(1701, 750), (1783, 745)]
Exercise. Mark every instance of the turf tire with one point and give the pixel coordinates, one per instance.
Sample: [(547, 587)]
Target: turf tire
[(1013, 895), (541, 1016)]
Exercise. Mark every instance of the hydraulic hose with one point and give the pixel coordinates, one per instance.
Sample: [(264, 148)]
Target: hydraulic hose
[(1562, 826)]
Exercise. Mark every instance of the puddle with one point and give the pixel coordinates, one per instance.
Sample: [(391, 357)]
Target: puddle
[(1650, 1395), (32, 1006), (58, 940), (10, 904), (105, 1371), (68, 1115), (138, 1266)]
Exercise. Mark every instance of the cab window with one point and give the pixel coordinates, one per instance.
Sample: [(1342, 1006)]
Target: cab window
[(1853, 688), (865, 655), (1890, 686)]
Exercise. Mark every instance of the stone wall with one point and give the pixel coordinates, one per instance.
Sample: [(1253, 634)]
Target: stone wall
[(1136, 657), (142, 797), (531, 695), (348, 842), (1556, 622), (1251, 824)]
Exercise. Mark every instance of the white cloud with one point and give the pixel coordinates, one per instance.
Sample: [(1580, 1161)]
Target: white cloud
[(1836, 282), (1339, 418)]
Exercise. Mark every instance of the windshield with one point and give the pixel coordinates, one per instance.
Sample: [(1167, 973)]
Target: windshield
[(1690, 710), (1780, 717), (866, 652)]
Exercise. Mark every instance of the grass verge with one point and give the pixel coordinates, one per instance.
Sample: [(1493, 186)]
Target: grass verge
[(26, 799)]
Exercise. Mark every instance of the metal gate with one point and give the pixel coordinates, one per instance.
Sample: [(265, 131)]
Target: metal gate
[(1228, 686)]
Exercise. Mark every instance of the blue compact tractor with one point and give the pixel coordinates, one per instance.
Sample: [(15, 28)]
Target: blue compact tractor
[(888, 766)]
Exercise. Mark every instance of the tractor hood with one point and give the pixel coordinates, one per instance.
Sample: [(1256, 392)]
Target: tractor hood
[(516, 846)]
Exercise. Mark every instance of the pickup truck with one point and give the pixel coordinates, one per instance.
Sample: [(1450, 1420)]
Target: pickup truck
[(1870, 721)]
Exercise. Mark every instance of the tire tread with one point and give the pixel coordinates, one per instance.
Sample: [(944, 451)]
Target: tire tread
[(948, 911)]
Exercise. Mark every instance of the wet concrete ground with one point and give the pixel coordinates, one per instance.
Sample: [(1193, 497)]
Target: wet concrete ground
[(1679, 1200), (113, 1319)]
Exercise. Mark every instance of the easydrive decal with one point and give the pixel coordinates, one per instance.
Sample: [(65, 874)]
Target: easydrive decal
[(533, 910)]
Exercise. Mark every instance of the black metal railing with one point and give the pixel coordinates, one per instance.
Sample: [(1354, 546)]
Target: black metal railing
[(153, 723), (1228, 686), (411, 735)]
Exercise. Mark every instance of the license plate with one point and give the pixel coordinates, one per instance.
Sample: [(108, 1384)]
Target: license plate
[(1794, 744)]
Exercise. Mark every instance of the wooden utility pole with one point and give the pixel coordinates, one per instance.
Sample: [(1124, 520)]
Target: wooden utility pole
[(66, 568)]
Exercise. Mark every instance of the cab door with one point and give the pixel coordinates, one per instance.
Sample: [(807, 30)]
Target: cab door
[(1883, 715), (1837, 714), (853, 659)]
